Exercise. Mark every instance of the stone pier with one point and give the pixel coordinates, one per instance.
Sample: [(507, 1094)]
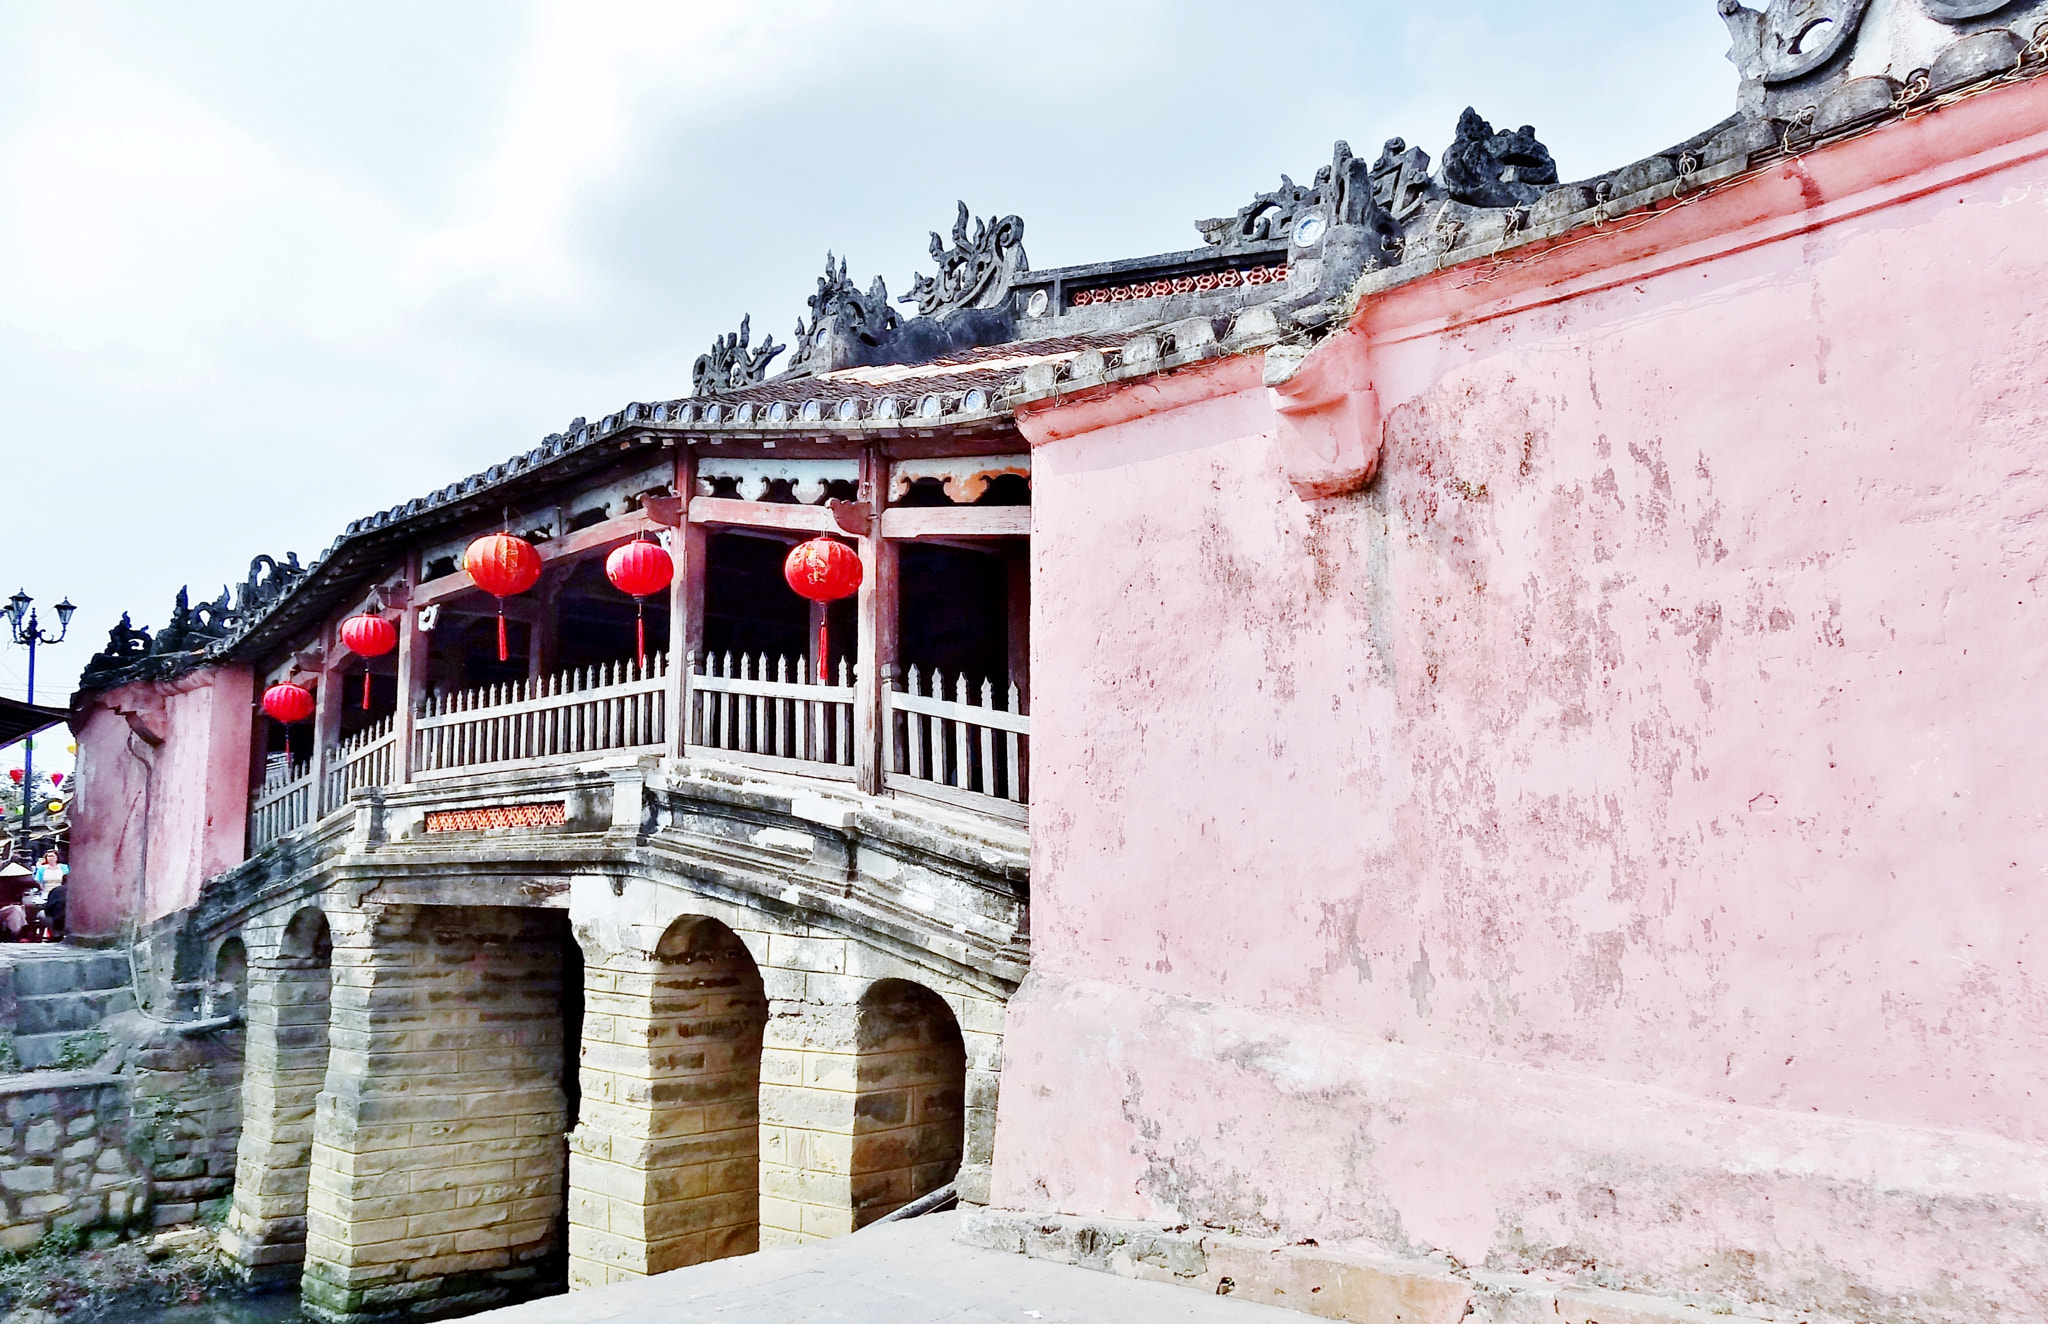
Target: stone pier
[(284, 1072), (438, 1155), (664, 1163)]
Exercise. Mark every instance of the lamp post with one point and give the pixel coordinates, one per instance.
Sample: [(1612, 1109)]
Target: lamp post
[(21, 621)]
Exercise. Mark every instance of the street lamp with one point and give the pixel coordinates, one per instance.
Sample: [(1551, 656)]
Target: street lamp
[(27, 630)]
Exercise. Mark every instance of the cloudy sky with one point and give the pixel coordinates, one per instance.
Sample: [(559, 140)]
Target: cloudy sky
[(268, 267)]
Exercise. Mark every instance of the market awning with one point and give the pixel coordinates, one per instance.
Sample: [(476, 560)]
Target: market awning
[(18, 719)]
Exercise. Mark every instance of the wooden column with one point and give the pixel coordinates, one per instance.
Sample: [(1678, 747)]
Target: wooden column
[(413, 644), (876, 661), (685, 602), (1018, 561), (326, 720), (543, 634)]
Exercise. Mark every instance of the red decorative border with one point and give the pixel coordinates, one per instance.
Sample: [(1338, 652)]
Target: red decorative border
[(1159, 289), (554, 814)]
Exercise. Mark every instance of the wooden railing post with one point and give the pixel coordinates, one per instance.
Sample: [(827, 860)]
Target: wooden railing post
[(413, 644), (876, 653)]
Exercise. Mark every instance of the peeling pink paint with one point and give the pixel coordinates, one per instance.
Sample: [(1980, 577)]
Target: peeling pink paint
[(162, 801), (1615, 838)]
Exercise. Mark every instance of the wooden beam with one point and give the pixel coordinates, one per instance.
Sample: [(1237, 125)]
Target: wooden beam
[(761, 515), (555, 551), (956, 522)]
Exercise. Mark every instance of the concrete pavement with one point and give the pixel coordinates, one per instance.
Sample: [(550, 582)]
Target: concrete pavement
[(911, 1272)]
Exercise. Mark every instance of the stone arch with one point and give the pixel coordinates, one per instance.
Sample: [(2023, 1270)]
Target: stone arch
[(665, 1163), (285, 1070), (227, 983), (909, 1126)]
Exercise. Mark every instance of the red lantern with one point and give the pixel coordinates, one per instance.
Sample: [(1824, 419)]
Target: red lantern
[(502, 566), (368, 636), (638, 569), (822, 570), (14, 774), (56, 779), (287, 703)]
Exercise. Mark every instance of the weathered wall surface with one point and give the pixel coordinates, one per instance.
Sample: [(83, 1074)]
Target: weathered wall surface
[(1611, 841), (162, 803)]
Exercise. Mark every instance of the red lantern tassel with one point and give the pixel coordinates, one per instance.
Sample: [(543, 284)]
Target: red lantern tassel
[(640, 632), (366, 689), (504, 653), (824, 666)]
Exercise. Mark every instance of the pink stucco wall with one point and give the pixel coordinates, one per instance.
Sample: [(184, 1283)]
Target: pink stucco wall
[(162, 802), (1615, 838)]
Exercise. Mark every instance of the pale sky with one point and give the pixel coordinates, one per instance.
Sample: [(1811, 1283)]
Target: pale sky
[(266, 268)]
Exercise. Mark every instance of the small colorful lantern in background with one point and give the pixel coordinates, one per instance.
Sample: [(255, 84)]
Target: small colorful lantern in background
[(502, 566), (287, 703), (368, 635), (822, 570), (56, 779), (638, 570), (15, 775)]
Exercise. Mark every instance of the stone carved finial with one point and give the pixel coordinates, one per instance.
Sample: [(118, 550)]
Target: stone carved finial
[(269, 579), (840, 312), (1487, 169), (730, 364), (1789, 39), (976, 272), (127, 645), (1267, 218)]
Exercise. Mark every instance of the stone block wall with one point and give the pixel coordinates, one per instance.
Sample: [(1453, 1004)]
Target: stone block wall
[(666, 1156), (186, 1093), (64, 1157), (438, 1152)]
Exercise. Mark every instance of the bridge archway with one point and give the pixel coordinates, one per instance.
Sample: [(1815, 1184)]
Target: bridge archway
[(909, 1121)]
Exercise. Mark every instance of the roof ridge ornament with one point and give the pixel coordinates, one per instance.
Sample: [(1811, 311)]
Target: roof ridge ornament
[(1482, 168), (1268, 218), (730, 364), (976, 272), (840, 312)]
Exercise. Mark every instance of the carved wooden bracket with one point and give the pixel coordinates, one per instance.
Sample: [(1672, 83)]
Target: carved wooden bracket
[(852, 516), (664, 510)]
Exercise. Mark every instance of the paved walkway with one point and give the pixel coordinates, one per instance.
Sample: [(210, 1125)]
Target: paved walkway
[(911, 1272)]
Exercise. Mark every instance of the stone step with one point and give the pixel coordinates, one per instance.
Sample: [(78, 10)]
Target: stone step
[(63, 1013), (41, 971), (37, 1051)]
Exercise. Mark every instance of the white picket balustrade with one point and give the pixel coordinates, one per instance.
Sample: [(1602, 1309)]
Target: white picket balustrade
[(609, 707), (772, 713), (366, 758), (953, 746), (282, 804)]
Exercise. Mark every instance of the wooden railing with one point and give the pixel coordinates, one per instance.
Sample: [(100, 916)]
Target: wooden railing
[(957, 750), (772, 714), (367, 758), (282, 804), (612, 707)]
